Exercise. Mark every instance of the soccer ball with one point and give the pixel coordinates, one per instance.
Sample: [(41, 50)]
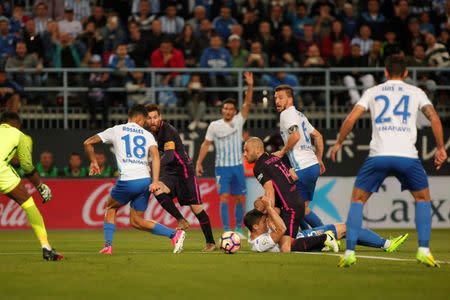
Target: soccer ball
[(230, 242)]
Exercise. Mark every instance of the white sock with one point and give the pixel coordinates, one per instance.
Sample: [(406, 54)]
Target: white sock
[(425, 250), (349, 252)]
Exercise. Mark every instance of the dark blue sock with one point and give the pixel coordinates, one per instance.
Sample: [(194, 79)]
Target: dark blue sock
[(354, 222), (313, 220), (225, 215), (239, 214), (367, 237), (304, 225), (320, 229), (163, 230), (423, 223), (108, 232)]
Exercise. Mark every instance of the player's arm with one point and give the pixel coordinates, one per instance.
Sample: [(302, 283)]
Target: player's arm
[(278, 223), (156, 167), (169, 153), (24, 153), (89, 143), (318, 143), (201, 156), (294, 137), (346, 128), (248, 96), (441, 155), (269, 192)]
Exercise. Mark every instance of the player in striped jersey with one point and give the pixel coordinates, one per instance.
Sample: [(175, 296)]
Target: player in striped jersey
[(226, 134)]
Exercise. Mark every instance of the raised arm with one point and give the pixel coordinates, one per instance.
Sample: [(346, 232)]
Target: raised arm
[(346, 128), (201, 156), (248, 96), (318, 143), (441, 155), (94, 169)]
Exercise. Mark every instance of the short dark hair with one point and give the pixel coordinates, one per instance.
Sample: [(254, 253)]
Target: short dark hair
[(153, 107), (230, 101), (395, 65), (75, 154), (287, 88), (166, 40), (138, 109), (9, 116), (251, 218)]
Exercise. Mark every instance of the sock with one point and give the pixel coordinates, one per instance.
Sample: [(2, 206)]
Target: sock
[(169, 205), (423, 223), (367, 237), (36, 222), (163, 230), (321, 229), (239, 214), (205, 224), (304, 225), (309, 243), (225, 215), (354, 222), (108, 232), (313, 220)]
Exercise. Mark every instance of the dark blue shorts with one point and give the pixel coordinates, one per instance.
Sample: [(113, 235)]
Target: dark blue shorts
[(306, 182), (409, 171), (231, 180), (134, 191)]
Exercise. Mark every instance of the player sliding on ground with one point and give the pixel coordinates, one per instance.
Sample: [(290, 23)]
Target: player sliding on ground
[(14, 142), (132, 147), (393, 107)]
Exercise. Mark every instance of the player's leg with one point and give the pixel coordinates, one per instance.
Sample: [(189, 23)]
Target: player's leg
[(109, 224), (205, 225), (306, 185), (164, 196), (238, 190), (223, 186)]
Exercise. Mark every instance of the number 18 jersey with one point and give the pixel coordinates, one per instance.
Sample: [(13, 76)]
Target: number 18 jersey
[(393, 108), (131, 143)]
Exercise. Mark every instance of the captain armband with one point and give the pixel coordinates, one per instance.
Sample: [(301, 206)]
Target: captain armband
[(292, 129)]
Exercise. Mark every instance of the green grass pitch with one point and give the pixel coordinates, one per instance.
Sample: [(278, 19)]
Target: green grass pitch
[(143, 267)]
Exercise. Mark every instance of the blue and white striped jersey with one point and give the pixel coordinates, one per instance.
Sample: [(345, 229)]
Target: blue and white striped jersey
[(227, 138)]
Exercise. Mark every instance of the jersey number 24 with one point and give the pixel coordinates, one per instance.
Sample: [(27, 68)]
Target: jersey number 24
[(401, 109)]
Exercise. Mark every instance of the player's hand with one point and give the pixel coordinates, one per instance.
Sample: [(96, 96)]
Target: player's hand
[(279, 153), (322, 167), (45, 192), (293, 174), (199, 170), (440, 157), (94, 169), (335, 150), (154, 186), (249, 78)]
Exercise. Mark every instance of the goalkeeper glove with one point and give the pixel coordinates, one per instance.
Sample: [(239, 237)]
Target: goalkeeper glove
[(45, 192)]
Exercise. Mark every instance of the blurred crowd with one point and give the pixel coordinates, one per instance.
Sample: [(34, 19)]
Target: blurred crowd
[(122, 35)]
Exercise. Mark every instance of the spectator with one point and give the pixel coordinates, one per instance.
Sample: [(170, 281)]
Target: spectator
[(112, 34), (91, 42), (444, 18), (69, 24), (97, 97), (374, 19), (238, 53), (105, 169), (18, 20), (138, 45), (167, 57), (425, 25), (257, 6), (399, 23), (206, 31), (287, 47), (266, 38), (336, 35), (364, 39), (199, 16), (7, 40), (415, 36), (238, 30), (390, 46), (349, 21), (216, 57), (171, 24), (156, 36), (276, 19), (299, 19), (144, 17), (307, 41), (195, 98), (338, 60), (81, 8), (45, 166), (257, 58), (75, 168), (314, 60), (98, 17), (357, 60), (121, 63), (374, 58), (223, 23), (33, 40), (49, 38), (65, 54), (323, 21), (55, 9), (189, 45), (137, 92), (436, 54), (444, 39), (23, 60), (423, 79), (250, 25), (154, 6), (10, 93), (42, 18)]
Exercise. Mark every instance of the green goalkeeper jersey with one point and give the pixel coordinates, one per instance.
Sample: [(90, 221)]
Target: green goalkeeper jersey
[(14, 141)]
